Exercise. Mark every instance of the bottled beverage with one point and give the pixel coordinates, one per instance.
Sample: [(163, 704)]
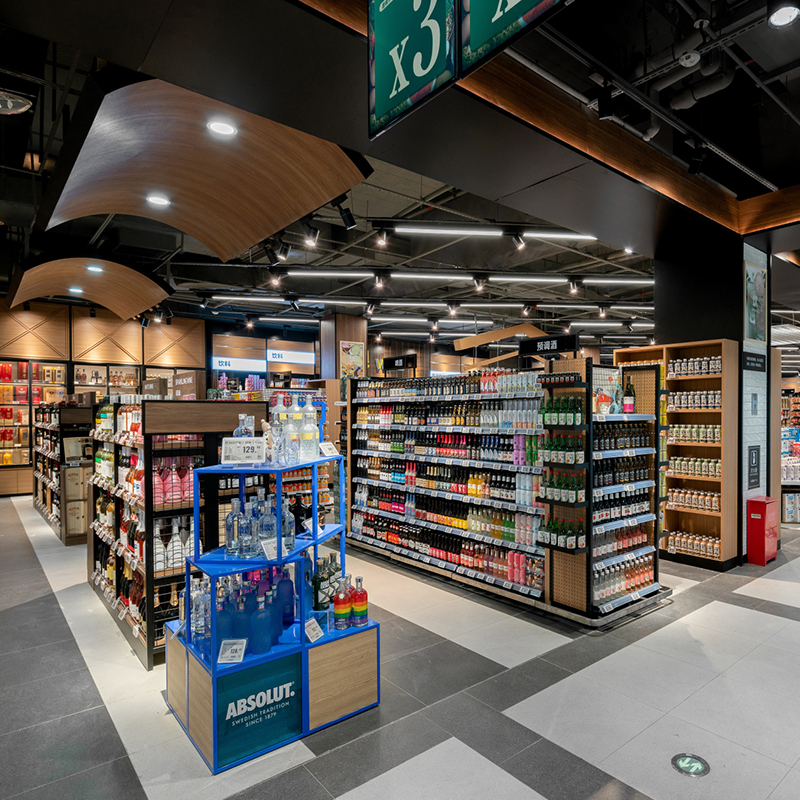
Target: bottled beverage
[(232, 522), (267, 527), (309, 434), (629, 398), (224, 619), (248, 535), (360, 614), (240, 625), (261, 627), (285, 598), (242, 429), (342, 607)]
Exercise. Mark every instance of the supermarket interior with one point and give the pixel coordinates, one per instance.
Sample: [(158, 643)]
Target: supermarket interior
[(436, 433)]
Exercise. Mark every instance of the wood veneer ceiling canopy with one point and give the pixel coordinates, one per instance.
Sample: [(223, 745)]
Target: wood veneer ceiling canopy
[(228, 192), (122, 290)]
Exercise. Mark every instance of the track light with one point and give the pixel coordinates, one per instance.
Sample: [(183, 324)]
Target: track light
[(379, 282), (383, 238), (271, 256), (248, 321), (311, 234), (283, 251), (274, 278), (348, 220), (145, 322), (573, 287), (452, 310), (566, 328), (378, 338), (602, 312), (628, 327), (434, 325), (628, 251), (432, 339), (370, 309), (652, 341), (696, 161), (526, 311), (782, 13), (519, 242), (295, 305), (167, 312), (204, 303), (479, 284), (92, 311), (158, 316)]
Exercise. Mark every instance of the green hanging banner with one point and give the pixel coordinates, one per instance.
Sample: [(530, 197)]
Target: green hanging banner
[(411, 56)]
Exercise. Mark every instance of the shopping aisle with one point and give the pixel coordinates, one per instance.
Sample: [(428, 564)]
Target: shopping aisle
[(476, 695)]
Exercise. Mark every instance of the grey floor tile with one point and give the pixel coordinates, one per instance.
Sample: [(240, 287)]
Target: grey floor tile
[(395, 704), (636, 628), (684, 603), (47, 660), (25, 611), (38, 632), (584, 651), (296, 784), (381, 614), (360, 761), (687, 570), (480, 727), (561, 625), (21, 577), (779, 610), (439, 671), (516, 684), (115, 779), (18, 563), (399, 637), (46, 753), (47, 699), (559, 775), (23, 593)]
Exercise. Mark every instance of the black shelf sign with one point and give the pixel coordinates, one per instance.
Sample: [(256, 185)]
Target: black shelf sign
[(400, 362), (754, 466), (755, 362), (549, 345)]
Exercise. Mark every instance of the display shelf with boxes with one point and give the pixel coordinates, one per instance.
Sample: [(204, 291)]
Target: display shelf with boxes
[(509, 481), (106, 379), (62, 466), (699, 473), (260, 609), (145, 454)]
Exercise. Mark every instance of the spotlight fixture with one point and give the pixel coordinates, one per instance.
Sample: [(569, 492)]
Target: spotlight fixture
[(145, 322), (221, 127), (628, 327), (157, 199), (204, 303), (295, 305), (434, 325), (526, 311), (573, 287), (158, 316), (370, 309), (378, 338), (628, 251), (311, 235), (519, 242), (782, 13), (271, 256), (652, 341), (26, 306), (479, 284), (379, 281), (283, 251), (432, 339), (248, 321), (348, 220), (94, 268), (602, 312), (92, 312), (383, 238), (274, 278), (566, 329), (452, 310)]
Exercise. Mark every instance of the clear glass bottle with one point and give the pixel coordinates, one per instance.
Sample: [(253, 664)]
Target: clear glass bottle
[(247, 533), (242, 429), (232, 522), (267, 526), (309, 434)]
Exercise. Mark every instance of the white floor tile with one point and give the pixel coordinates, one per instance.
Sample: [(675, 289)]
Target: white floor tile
[(787, 638), (143, 721), (511, 641), (781, 586), (737, 621), (455, 617), (748, 715), (589, 720), (736, 772), (788, 788), (650, 677), (675, 582), (769, 668), (694, 644), (125, 677), (449, 771)]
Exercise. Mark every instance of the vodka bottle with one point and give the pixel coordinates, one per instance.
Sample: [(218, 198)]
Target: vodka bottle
[(232, 522), (267, 526), (291, 440), (341, 607), (240, 628), (224, 618), (360, 605), (276, 621), (247, 533), (242, 429), (288, 531), (295, 411), (278, 413), (285, 598), (261, 627), (309, 435), (260, 504)]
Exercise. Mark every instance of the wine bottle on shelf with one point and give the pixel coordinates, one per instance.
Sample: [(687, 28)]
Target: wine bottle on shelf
[(629, 398)]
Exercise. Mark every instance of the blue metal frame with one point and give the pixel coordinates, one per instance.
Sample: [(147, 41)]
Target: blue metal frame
[(216, 564)]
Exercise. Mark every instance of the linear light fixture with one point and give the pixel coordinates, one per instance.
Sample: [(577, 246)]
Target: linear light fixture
[(312, 273), (547, 235), (492, 305), (632, 308), (590, 307), (322, 301), (413, 304), (247, 298), (617, 281), (478, 230), (596, 323), (432, 276), (643, 324), (291, 320), (527, 279), (425, 334), (625, 336), (398, 319)]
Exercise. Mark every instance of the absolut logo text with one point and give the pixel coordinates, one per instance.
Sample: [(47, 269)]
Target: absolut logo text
[(254, 701)]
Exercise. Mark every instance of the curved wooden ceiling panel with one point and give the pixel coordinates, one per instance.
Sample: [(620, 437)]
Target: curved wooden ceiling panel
[(120, 289), (228, 192)]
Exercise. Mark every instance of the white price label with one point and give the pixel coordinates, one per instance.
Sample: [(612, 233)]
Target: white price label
[(116, 602), (597, 494), (600, 417), (629, 487), (313, 631), (134, 562), (606, 608), (270, 548), (471, 573), (597, 456), (96, 579), (460, 570), (489, 579), (135, 630), (244, 450), (123, 612), (628, 453), (328, 449), (93, 575), (634, 595), (426, 559), (127, 556), (508, 585)]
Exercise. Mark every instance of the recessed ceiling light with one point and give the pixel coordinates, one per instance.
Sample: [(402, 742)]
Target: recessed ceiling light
[(782, 13), (76, 290), (94, 268), (628, 251), (222, 128), (156, 199)]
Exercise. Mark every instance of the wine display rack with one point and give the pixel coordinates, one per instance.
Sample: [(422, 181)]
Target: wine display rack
[(561, 575)]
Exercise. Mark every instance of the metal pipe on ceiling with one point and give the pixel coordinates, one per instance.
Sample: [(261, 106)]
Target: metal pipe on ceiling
[(60, 110)]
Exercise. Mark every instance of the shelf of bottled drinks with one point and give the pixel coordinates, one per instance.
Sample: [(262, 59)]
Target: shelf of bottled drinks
[(538, 486), (302, 628)]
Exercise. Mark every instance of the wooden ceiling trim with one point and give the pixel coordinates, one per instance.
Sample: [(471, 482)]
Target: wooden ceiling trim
[(229, 193), (478, 339), (122, 290), (770, 210)]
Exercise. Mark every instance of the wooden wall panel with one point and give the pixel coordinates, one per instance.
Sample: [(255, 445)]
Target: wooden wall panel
[(105, 339), (41, 333), (328, 347), (230, 346), (180, 344)]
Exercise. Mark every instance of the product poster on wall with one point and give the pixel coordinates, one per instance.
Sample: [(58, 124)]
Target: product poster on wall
[(755, 303), (258, 708), (351, 359)]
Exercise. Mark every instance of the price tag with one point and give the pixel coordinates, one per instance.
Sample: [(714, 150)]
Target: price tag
[(426, 559), (449, 462), (460, 570), (93, 575), (449, 496), (135, 630), (525, 590), (628, 453), (134, 562), (382, 545), (115, 603), (597, 456), (96, 579), (634, 595), (127, 556), (597, 494), (508, 585), (244, 450), (606, 608), (490, 579), (270, 548), (471, 573), (328, 449), (448, 429), (122, 613), (629, 487), (600, 417)]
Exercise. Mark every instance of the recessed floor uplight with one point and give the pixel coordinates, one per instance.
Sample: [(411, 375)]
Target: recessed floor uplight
[(157, 199), (76, 290), (222, 128), (94, 268)]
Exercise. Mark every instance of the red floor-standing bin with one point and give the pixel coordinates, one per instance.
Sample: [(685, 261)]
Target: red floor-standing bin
[(762, 530)]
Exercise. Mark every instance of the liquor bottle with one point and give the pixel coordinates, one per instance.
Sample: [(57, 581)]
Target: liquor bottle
[(242, 429), (360, 605), (285, 598), (232, 522), (342, 606), (276, 616), (267, 525), (240, 627), (309, 433), (319, 584), (247, 533), (629, 398), (261, 628), (224, 618)]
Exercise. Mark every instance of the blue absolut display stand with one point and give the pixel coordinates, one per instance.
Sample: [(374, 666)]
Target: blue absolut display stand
[(235, 712)]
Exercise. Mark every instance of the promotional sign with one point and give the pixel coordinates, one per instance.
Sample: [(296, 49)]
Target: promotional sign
[(400, 362), (755, 362), (351, 359), (190, 385), (258, 365), (411, 55), (549, 345), (487, 25), (754, 466), (755, 303), (291, 356), (244, 450), (258, 708)]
